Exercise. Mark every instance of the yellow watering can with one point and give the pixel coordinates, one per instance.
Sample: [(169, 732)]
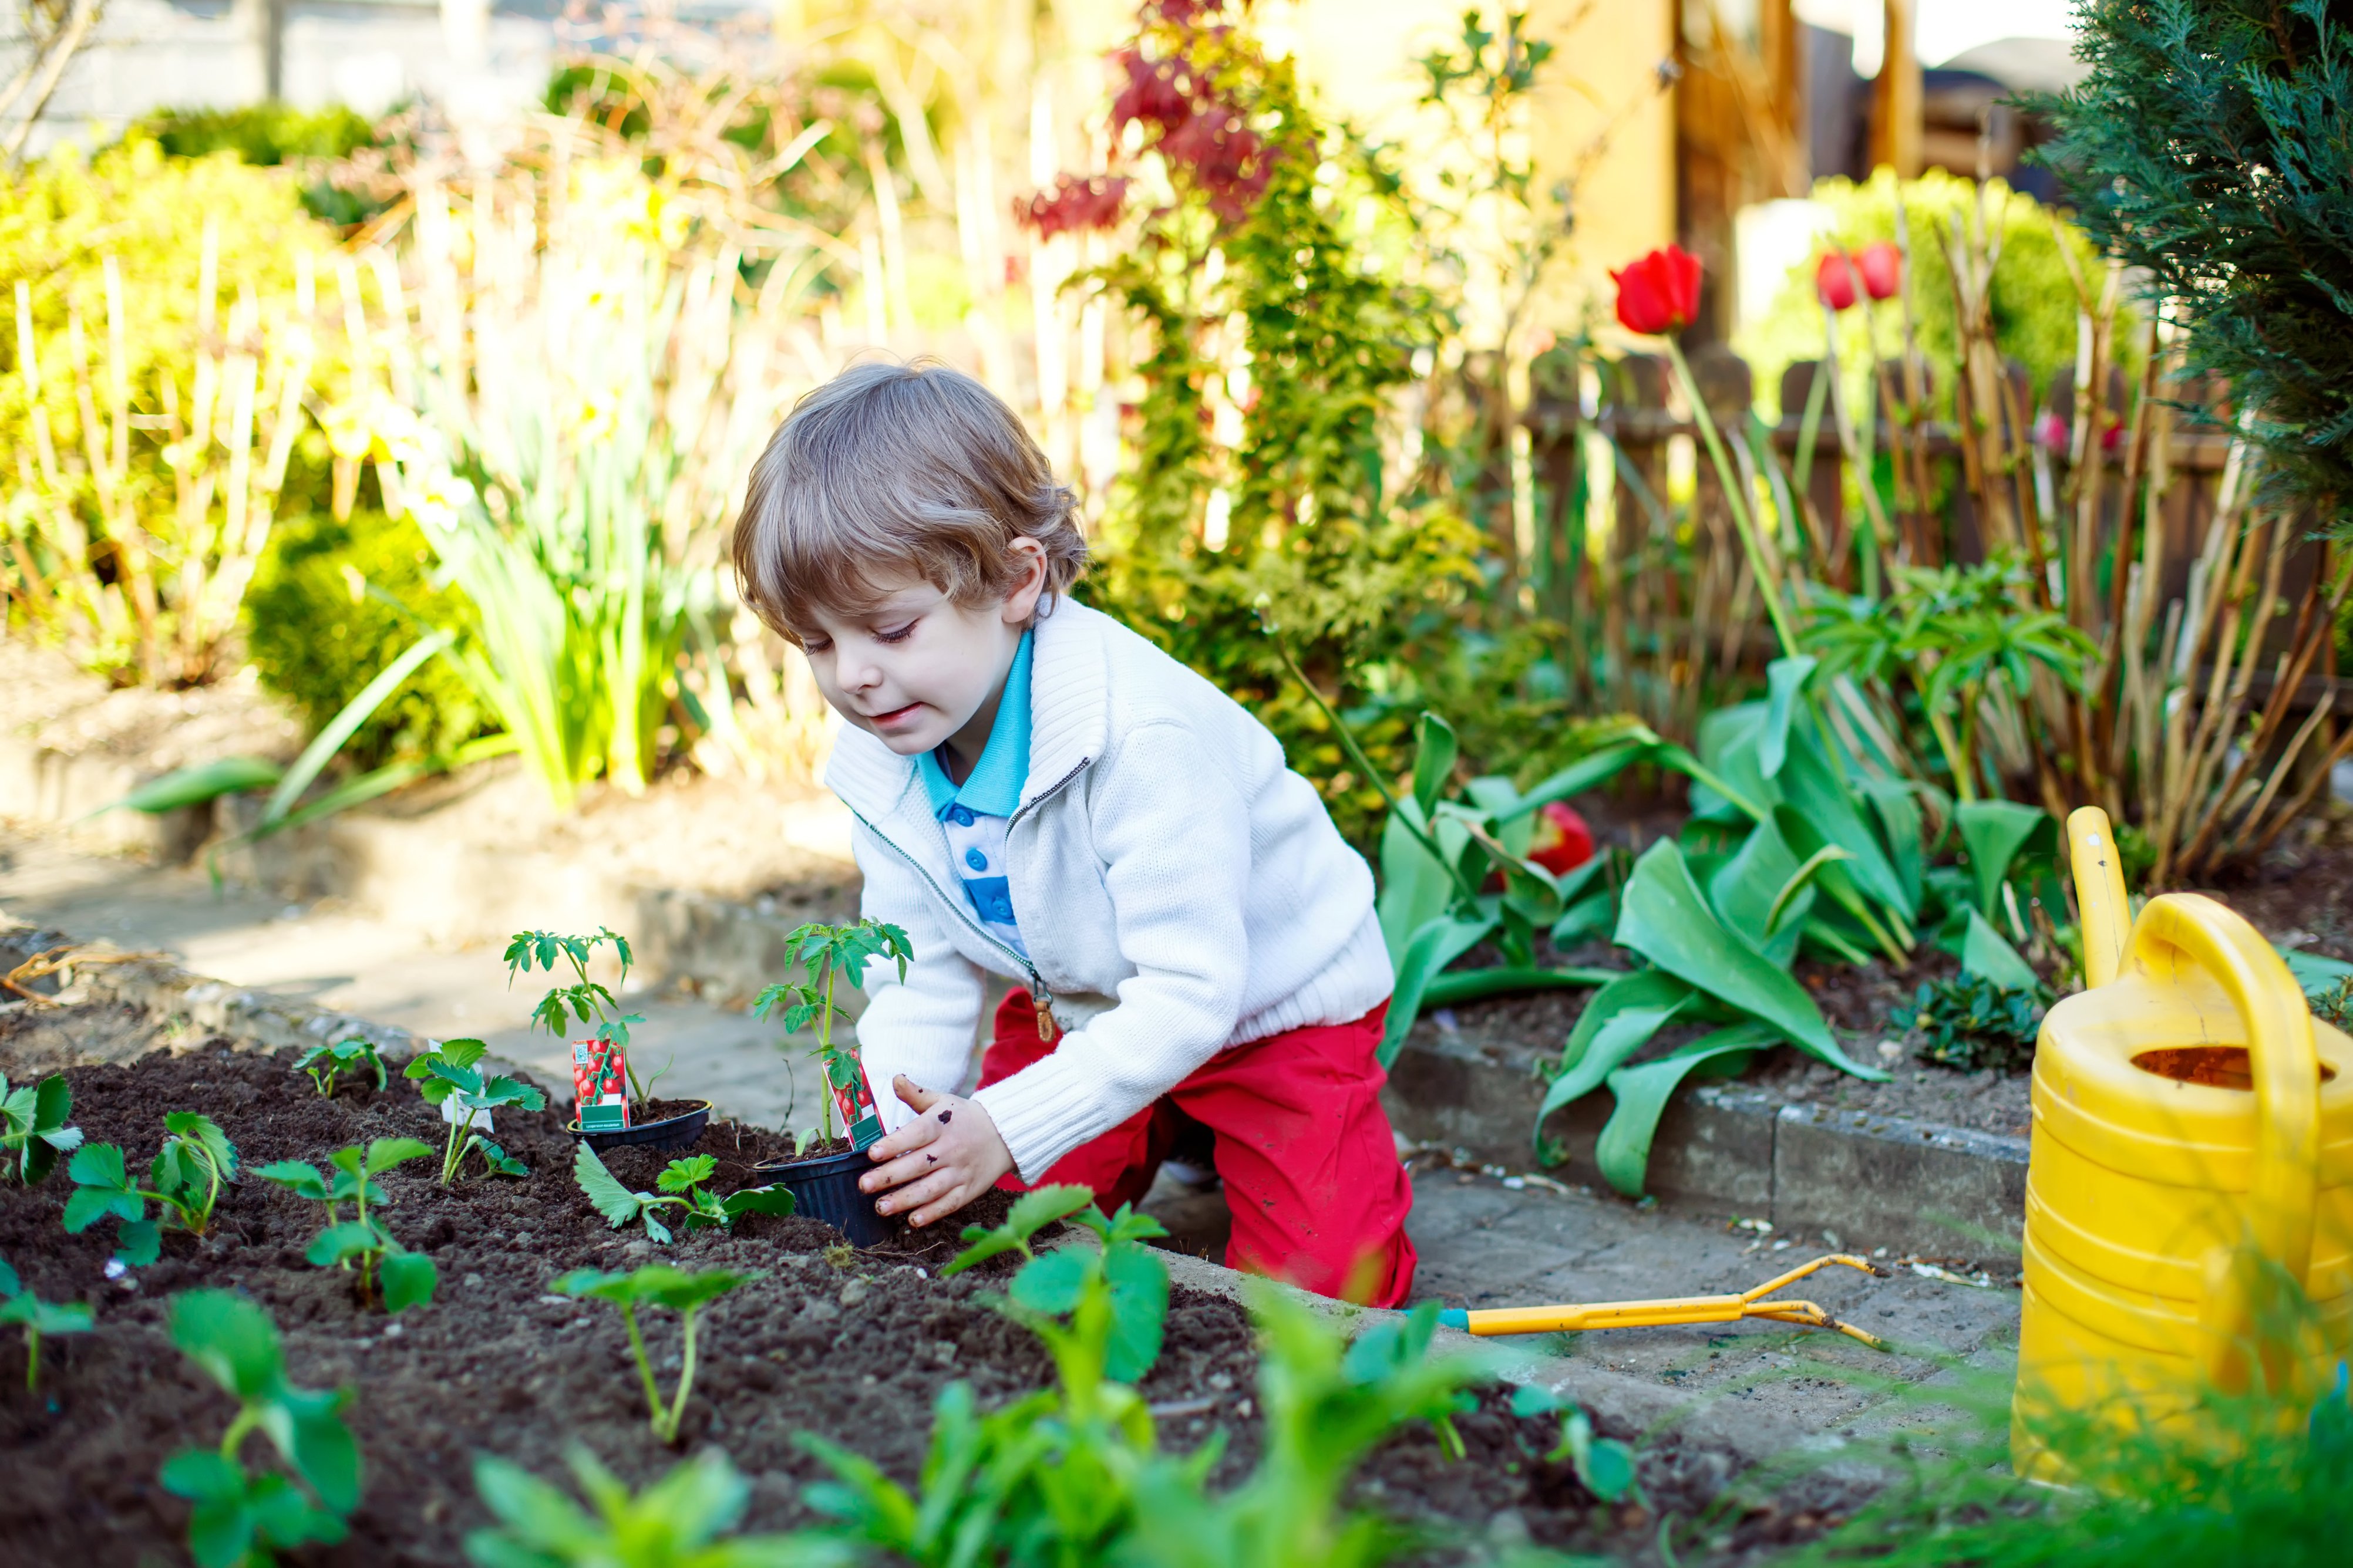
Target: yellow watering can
[(2193, 1130)]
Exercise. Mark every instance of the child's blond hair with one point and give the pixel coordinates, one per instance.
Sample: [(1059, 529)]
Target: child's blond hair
[(890, 472)]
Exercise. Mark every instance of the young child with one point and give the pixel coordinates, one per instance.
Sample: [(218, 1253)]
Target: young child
[(1041, 794)]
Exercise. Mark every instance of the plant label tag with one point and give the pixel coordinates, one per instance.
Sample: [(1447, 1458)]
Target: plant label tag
[(454, 1114), (600, 1086), (855, 1101)]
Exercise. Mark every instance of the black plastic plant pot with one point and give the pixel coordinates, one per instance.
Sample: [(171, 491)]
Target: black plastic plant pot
[(669, 1133), (826, 1188)]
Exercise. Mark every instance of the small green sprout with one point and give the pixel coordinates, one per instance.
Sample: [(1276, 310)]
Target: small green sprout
[(33, 1131), (408, 1278), (184, 1182), (325, 1064), (450, 1073), (1605, 1465), (583, 999), (1115, 1296), (37, 1317), (658, 1285), (681, 1188), (495, 1160), (829, 953), (242, 1520), (676, 1522)]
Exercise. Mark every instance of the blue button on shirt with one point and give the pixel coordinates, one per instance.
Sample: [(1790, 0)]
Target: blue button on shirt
[(975, 815)]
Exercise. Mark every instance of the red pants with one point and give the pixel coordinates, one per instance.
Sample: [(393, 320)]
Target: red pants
[(1311, 1168)]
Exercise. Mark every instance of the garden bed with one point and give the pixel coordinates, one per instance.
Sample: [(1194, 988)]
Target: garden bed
[(853, 1345)]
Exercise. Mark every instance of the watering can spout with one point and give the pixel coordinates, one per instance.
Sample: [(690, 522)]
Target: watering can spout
[(2106, 913)]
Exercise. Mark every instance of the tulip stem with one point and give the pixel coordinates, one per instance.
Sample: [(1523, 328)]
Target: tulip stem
[(1736, 494)]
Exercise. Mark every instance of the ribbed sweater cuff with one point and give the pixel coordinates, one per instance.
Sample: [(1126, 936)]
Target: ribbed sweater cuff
[(1043, 1112)]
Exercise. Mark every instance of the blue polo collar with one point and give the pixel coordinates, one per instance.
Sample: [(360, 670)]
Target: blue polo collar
[(994, 787)]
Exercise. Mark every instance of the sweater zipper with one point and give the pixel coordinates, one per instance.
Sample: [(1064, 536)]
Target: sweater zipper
[(1038, 992)]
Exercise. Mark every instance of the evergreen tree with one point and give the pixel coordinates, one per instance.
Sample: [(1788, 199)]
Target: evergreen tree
[(2212, 144)]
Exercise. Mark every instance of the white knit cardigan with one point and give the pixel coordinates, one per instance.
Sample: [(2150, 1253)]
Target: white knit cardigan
[(1178, 889)]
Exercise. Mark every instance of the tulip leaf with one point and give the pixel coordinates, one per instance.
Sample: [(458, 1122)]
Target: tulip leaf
[(1435, 944), (1993, 831), (1621, 1019), (1785, 678), (1435, 750), (1623, 1151)]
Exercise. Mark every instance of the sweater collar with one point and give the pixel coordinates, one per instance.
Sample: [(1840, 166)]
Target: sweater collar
[(1069, 716)]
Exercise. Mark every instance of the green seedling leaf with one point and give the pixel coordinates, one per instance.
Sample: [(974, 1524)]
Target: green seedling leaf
[(233, 1342), (607, 1196), (325, 1064), (384, 1154), (1031, 1213), (1605, 1465), (39, 1318), (657, 1284), (678, 1521), (496, 1160), (407, 1279), (138, 1243), (238, 1521), (102, 1188), (1623, 1151), (303, 1181), (340, 1243), (680, 1175), (1139, 1309), (193, 1127), (772, 1200), (9, 1283), (1051, 1283), (33, 1131)]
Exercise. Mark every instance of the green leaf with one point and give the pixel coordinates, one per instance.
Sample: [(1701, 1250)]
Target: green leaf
[(9, 1283), (347, 722), (407, 1278), (1052, 1284), (138, 1243), (1986, 952), (1621, 1019), (680, 1174), (1036, 1209), (1605, 1465), (303, 1181), (232, 1340), (679, 1291), (1438, 944), (1784, 680), (339, 1242), (1139, 1309), (2315, 972), (757, 1200), (1623, 1151), (1818, 789), (1415, 886), (196, 784), (310, 1431), (1435, 750), (201, 1474), (1745, 890), (1897, 805), (99, 1165), (607, 1196), (1993, 831), (503, 1091), (1665, 919)]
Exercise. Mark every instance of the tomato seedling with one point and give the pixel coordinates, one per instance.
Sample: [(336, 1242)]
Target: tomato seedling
[(583, 999), (408, 1278), (452, 1078), (37, 1317), (657, 1285), (183, 1180), (324, 1064), (681, 1182), (33, 1131), (243, 1520), (830, 954)]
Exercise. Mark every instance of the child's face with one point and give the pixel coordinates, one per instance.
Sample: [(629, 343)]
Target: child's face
[(919, 670)]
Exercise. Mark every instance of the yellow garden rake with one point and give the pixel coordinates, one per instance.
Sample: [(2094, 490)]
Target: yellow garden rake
[(1572, 1317)]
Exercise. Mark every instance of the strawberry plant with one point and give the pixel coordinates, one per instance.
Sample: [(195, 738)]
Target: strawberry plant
[(325, 1064), (183, 1180), (1605, 1465), (681, 1186), (37, 1317), (33, 1131), (829, 955), (241, 1520), (583, 999), (408, 1278), (656, 1284), (453, 1081), (676, 1522)]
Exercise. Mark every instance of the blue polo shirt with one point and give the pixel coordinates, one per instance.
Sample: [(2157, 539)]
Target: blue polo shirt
[(974, 816)]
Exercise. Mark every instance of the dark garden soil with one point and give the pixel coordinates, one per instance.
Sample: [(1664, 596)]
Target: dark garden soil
[(853, 1345)]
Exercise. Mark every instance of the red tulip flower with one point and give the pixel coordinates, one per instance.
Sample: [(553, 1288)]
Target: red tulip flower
[(1562, 842), (1658, 292), (1882, 265), (1834, 279)]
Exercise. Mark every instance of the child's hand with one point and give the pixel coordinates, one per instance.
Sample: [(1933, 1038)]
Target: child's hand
[(940, 1160)]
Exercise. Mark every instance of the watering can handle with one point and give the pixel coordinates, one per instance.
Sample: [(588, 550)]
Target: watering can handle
[(2185, 932), (2105, 914)]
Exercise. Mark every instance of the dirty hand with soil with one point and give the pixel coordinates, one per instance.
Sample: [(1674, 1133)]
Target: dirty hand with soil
[(943, 1159)]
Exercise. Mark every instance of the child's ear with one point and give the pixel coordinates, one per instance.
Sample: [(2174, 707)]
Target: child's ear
[(1030, 559)]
